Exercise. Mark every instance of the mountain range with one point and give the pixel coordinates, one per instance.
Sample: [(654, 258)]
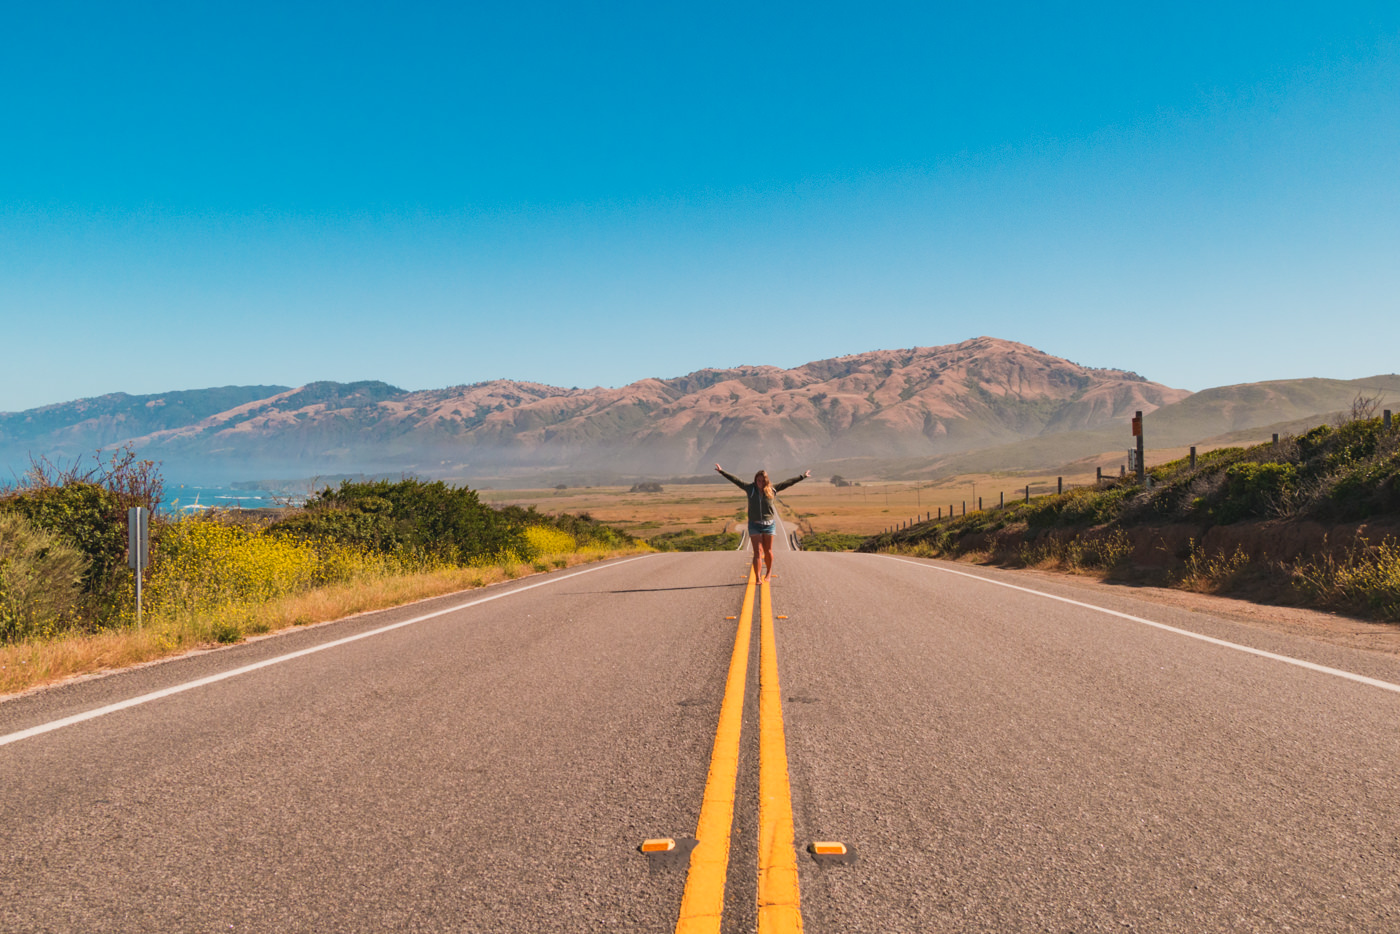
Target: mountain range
[(984, 394)]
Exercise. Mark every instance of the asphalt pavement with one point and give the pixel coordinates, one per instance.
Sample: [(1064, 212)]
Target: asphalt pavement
[(996, 759)]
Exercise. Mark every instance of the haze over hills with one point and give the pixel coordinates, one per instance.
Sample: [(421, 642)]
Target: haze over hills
[(928, 402)]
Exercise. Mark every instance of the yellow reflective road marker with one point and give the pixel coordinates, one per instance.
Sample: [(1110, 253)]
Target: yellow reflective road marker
[(658, 845), (702, 906), (779, 908), (828, 848)]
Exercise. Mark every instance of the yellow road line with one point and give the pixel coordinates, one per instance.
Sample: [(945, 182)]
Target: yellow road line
[(703, 903), (779, 909)]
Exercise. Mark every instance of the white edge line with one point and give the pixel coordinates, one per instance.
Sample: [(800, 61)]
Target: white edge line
[(1311, 666), (235, 672)]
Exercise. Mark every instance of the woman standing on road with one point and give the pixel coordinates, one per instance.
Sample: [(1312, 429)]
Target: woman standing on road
[(763, 513)]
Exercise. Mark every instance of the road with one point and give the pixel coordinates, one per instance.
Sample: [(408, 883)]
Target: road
[(998, 760)]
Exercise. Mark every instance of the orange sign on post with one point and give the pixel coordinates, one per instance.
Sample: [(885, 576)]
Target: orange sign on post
[(1137, 426)]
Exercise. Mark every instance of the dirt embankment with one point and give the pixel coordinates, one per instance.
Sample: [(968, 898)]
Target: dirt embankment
[(1281, 541)]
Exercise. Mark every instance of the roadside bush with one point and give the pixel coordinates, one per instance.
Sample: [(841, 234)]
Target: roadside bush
[(832, 541), (202, 563), (41, 580), (688, 540), (543, 540), (88, 518), (86, 505), (1083, 506), (1104, 551), (408, 518), (1368, 577), (586, 531), (1256, 490), (1210, 571)]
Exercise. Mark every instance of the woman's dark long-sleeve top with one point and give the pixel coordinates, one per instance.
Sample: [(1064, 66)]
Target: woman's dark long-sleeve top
[(761, 508)]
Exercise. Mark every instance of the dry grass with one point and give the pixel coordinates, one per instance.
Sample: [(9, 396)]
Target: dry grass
[(866, 509), (33, 664), (708, 509)]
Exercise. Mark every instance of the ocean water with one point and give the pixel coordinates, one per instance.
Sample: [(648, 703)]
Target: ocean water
[(185, 497)]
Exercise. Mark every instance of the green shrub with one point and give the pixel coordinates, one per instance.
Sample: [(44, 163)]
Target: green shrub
[(1084, 506), (1255, 490), (1368, 577), (40, 580), (687, 540), (586, 531), (409, 517), (832, 541), (1104, 551), (86, 507)]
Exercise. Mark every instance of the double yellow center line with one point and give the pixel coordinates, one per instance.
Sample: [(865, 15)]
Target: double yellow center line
[(702, 906)]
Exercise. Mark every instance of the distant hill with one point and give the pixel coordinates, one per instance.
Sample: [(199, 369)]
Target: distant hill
[(980, 399), (73, 429), (920, 402), (1240, 414)]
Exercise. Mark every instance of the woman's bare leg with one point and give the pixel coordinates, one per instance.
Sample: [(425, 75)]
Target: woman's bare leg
[(754, 540), (767, 542)]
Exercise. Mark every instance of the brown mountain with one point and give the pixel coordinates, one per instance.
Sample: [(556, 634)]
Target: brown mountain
[(922, 402)]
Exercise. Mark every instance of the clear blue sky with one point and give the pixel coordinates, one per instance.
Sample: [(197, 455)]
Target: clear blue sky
[(585, 194)]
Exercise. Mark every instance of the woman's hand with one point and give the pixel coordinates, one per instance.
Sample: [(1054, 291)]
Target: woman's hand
[(806, 473), (718, 467)]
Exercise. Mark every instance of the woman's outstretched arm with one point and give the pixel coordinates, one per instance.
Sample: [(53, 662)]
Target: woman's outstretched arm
[(733, 479), (779, 487)]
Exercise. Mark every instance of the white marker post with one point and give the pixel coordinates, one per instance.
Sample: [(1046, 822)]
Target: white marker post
[(138, 548)]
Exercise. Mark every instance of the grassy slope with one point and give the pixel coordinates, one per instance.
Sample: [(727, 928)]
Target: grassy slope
[(1232, 414), (1312, 519)]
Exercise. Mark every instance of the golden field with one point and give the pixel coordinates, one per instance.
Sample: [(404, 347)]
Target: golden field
[(818, 505)]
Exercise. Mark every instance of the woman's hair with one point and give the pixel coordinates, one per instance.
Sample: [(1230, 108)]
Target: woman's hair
[(761, 481)]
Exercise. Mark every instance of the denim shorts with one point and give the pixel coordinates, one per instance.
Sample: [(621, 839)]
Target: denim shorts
[(763, 528)]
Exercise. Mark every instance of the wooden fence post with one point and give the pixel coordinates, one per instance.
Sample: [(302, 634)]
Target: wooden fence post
[(1193, 457), (1141, 450)]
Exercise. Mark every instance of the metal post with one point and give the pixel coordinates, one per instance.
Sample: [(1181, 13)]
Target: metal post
[(1276, 437), (1098, 475), (979, 504), (1059, 485), (1193, 457), (1028, 492), (138, 549), (964, 512), (1003, 500), (1386, 416)]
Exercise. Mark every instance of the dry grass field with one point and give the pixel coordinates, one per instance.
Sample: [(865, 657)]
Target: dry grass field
[(818, 505)]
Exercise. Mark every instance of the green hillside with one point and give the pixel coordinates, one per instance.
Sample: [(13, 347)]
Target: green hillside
[(1313, 518)]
